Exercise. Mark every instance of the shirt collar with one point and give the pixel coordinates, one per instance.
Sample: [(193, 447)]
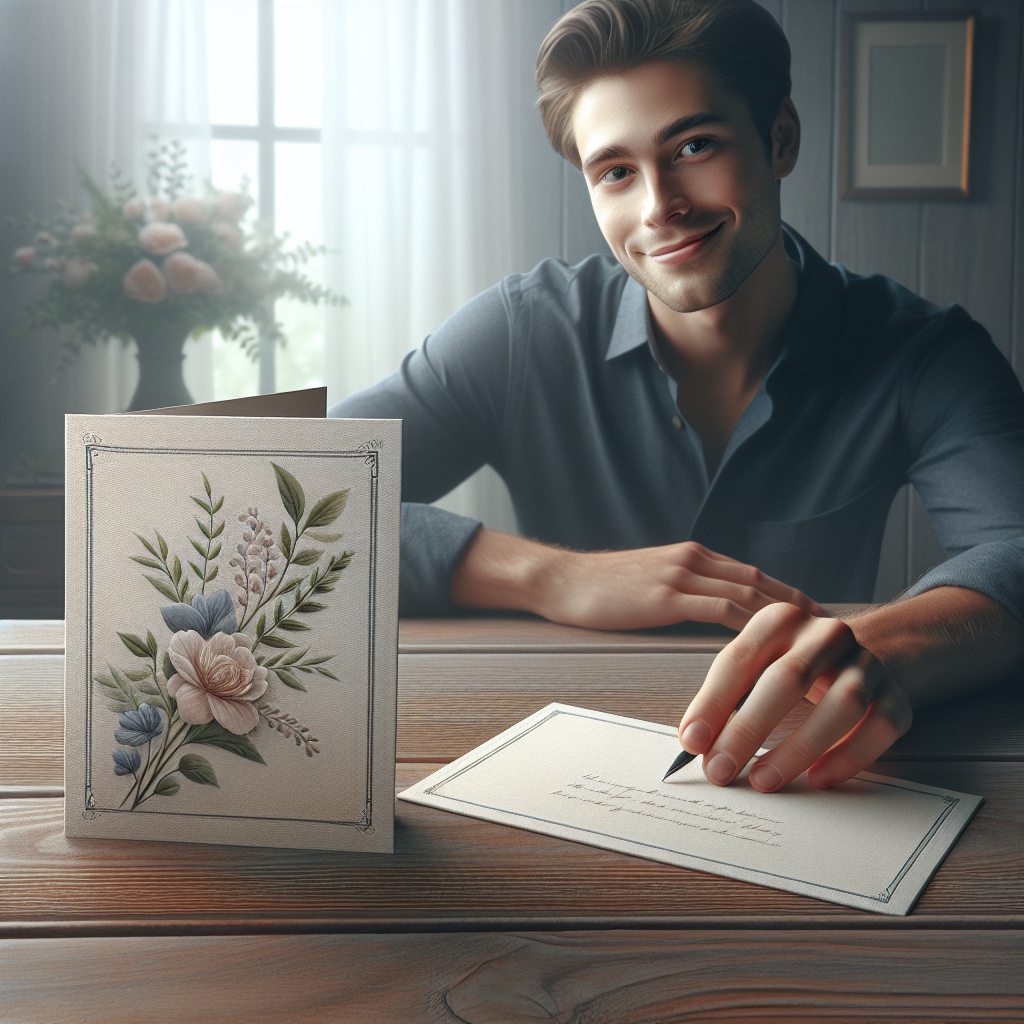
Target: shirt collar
[(812, 331)]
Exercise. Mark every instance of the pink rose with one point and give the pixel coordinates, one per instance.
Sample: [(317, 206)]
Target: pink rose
[(25, 256), (82, 233), (160, 238), (216, 678), (159, 209), (189, 210), (144, 282), (232, 205), (134, 209), (185, 274), (78, 270)]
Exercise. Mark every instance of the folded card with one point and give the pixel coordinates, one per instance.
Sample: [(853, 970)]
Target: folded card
[(872, 842), (232, 596)]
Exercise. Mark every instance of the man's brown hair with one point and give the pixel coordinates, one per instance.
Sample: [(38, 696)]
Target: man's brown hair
[(736, 39)]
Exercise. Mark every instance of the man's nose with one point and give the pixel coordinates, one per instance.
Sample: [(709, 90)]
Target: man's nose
[(663, 200)]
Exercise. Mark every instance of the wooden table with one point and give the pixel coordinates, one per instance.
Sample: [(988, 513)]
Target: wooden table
[(472, 921)]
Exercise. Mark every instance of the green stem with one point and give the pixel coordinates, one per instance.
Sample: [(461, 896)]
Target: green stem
[(158, 781), (166, 753)]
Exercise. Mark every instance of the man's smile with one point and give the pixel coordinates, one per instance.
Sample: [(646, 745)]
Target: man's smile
[(680, 252)]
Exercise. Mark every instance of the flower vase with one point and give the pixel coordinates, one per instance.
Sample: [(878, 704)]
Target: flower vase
[(160, 357)]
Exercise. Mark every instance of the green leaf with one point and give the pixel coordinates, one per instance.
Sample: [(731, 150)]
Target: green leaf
[(286, 541), (213, 575), (276, 641), (176, 570), (183, 597), (151, 643), (292, 626), (308, 557), (137, 675), (294, 657), (214, 735), (168, 666), (147, 562), (149, 547), (202, 504), (135, 644), (323, 537), (218, 529), (271, 662), (203, 528), (167, 786), (290, 586), (148, 688), (311, 606), (196, 768), (327, 509), (214, 552), (195, 568), (217, 507), (261, 625), (163, 546), (278, 610), (199, 547), (292, 496), (288, 679), (320, 660), (324, 672), (206, 484)]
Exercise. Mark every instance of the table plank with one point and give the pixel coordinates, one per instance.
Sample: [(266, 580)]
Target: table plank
[(485, 978), (28, 636), (453, 872)]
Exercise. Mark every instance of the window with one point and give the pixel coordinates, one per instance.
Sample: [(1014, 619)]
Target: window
[(265, 80)]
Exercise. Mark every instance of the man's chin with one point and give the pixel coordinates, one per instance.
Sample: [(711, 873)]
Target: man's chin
[(685, 297)]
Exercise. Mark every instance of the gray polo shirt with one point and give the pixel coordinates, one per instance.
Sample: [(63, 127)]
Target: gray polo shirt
[(550, 377)]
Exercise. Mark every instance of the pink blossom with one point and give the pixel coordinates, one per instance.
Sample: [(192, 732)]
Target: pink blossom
[(189, 210), (160, 238), (185, 274), (82, 233), (78, 270), (144, 282), (25, 256), (232, 205), (216, 678), (159, 209), (134, 209), (230, 234)]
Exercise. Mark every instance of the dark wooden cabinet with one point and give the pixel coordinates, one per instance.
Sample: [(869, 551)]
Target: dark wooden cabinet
[(31, 553)]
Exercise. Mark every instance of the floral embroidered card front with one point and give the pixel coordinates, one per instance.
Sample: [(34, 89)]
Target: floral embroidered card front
[(232, 589)]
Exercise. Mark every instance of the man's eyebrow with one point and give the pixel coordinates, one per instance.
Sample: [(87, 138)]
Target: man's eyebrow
[(684, 124)]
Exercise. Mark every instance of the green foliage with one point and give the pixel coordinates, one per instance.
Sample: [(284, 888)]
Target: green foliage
[(167, 786), (292, 495), (196, 768), (215, 735)]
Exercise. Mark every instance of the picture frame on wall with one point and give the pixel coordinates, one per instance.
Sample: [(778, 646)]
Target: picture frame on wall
[(905, 105)]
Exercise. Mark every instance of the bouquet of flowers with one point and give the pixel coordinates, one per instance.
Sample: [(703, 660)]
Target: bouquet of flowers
[(169, 266)]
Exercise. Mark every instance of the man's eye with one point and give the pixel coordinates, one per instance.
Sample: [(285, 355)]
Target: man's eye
[(695, 147), (616, 174)]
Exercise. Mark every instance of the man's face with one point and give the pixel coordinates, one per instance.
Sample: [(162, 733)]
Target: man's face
[(681, 185)]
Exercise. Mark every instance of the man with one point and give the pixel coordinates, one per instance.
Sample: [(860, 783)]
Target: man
[(719, 408)]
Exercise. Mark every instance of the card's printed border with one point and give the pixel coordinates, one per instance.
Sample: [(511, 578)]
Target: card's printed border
[(949, 803), (369, 452)]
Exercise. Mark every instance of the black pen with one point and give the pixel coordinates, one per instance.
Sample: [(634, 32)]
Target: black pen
[(686, 757)]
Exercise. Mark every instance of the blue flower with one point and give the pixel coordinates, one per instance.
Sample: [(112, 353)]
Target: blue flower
[(126, 762), (205, 616), (138, 727)]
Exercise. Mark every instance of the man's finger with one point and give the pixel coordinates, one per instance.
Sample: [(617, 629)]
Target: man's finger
[(888, 718)]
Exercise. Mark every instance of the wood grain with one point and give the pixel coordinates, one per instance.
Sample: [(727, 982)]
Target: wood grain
[(32, 720), (450, 872), (623, 976)]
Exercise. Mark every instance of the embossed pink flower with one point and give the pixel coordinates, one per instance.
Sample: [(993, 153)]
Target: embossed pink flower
[(216, 679), (144, 282), (160, 238), (185, 274)]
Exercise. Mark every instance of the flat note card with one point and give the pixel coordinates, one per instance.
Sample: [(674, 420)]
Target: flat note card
[(872, 842), (232, 629)]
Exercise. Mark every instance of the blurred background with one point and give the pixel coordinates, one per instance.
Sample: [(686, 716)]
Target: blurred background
[(401, 135)]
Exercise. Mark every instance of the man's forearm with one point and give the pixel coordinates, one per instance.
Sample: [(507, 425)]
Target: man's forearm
[(942, 643)]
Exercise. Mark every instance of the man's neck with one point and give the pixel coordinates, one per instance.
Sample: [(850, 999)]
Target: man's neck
[(719, 357)]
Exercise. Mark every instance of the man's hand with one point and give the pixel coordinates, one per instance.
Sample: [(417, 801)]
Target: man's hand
[(942, 643), (635, 589)]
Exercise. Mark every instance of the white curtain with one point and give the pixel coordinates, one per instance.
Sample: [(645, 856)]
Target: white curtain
[(86, 83), (438, 180)]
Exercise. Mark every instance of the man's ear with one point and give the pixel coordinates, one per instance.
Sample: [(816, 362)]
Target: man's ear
[(785, 139)]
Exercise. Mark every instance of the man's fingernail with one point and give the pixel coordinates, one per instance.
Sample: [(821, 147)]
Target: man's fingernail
[(720, 769), (696, 737), (765, 777)]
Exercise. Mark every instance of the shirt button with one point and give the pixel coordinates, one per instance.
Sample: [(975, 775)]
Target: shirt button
[(677, 423)]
